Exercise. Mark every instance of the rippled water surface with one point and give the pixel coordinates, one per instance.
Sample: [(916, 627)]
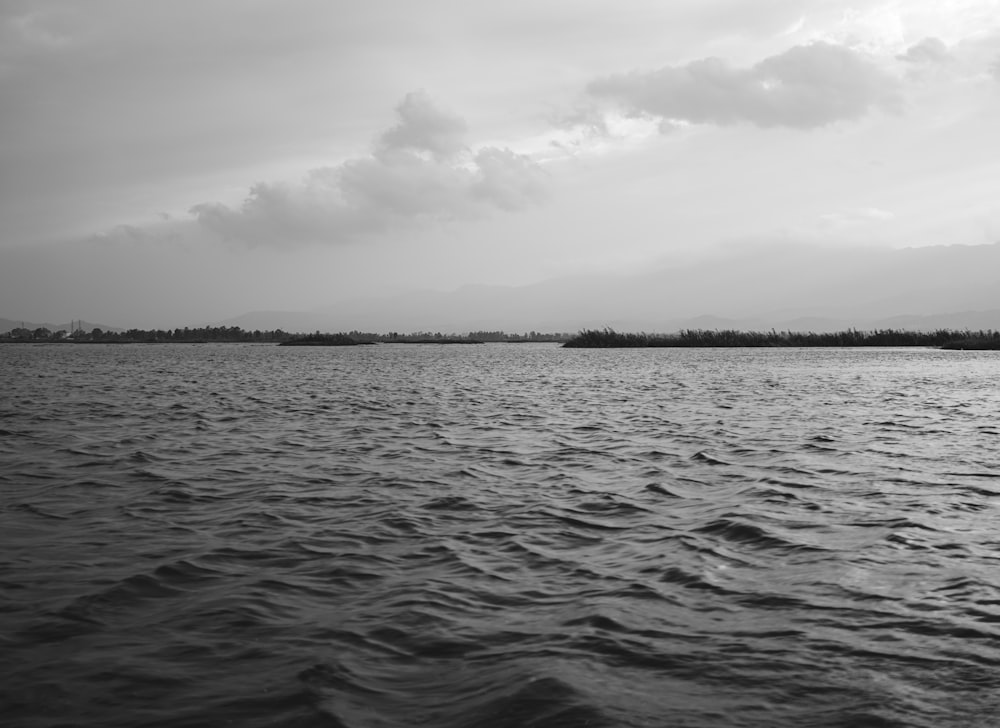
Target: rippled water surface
[(501, 536)]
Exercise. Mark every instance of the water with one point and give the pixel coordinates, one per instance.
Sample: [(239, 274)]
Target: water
[(498, 536)]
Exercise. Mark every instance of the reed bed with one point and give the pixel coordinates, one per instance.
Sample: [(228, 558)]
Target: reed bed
[(688, 338)]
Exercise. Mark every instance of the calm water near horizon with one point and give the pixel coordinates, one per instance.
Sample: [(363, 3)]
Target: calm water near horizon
[(498, 536)]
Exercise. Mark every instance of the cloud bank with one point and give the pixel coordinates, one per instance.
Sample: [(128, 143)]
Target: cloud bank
[(805, 87), (420, 170)]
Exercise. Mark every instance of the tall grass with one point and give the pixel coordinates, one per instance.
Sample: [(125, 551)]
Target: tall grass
[(945, 338)]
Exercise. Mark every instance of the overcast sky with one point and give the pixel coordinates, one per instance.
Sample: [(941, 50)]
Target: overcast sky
[(173, 163)]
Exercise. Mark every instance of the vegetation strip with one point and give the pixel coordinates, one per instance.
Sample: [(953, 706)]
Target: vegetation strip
[(693, 338), (587, 339), (218, 334)]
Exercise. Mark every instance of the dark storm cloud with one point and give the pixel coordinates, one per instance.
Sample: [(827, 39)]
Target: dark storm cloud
[(805, 87), (419, 170)]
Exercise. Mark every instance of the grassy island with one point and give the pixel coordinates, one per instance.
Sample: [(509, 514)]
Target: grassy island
[(974, 344), (322, 340), (443, 340), (693, 338)]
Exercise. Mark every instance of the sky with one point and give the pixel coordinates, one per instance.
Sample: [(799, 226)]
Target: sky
[(171, 164)]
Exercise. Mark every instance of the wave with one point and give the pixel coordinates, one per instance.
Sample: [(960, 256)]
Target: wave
[(498, 537)]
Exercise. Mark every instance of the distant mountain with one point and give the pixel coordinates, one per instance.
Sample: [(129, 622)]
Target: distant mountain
[(974, 320), (11, 324), (291, 321), (760, 288), (787, 287), (307, 322)]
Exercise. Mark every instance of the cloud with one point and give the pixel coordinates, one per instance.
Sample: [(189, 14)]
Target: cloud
[(855, 217), (418, 171), (31, 32), (425, 128), (505, 179), (805, 87), (929, 50)]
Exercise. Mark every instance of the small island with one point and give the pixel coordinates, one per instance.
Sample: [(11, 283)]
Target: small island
[(442, 340), (346, 340), (323, 340)]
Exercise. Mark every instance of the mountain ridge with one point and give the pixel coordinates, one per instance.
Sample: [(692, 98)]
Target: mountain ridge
[(780, 287)]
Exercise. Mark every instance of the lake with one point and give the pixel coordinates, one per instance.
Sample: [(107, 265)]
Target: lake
[(498, 536)]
